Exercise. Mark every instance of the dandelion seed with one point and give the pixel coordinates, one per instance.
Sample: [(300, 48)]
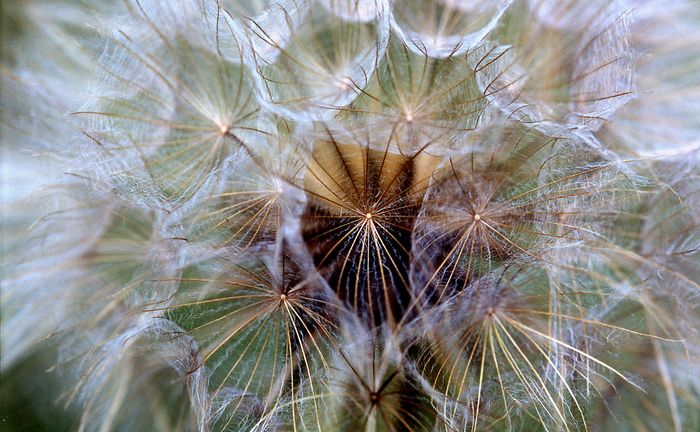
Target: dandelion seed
[(445, 28), (431, 102), (358, 220), (538, 84), (321, 66)]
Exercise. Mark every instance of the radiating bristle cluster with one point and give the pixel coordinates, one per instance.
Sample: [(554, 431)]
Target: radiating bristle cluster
[(329, 215), (357, 225)]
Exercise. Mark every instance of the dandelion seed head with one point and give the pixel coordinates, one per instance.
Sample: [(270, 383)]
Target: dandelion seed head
[(352, 214)]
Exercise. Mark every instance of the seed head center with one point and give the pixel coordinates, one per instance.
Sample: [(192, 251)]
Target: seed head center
[(368, 216), (477, 217)]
